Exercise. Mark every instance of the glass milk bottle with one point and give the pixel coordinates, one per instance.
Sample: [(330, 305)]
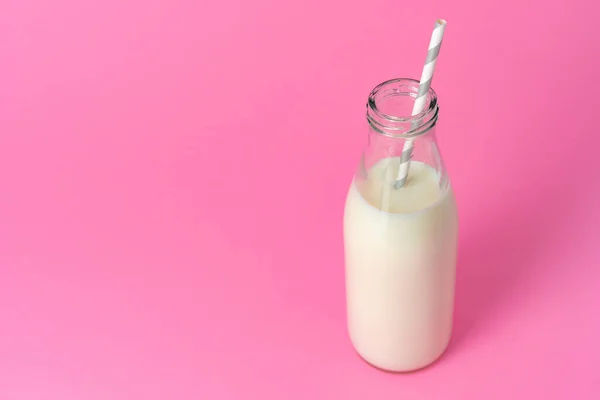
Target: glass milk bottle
[(400, 239)]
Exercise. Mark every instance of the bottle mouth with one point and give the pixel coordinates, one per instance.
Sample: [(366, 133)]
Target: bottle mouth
[(390, 106)]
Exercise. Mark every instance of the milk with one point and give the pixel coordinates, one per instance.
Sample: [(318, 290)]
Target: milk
[(400, 251)]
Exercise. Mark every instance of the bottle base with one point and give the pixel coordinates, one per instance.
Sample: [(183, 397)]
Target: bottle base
[(408, 370)]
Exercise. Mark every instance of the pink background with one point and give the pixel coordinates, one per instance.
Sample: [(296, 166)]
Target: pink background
[(172, 177)]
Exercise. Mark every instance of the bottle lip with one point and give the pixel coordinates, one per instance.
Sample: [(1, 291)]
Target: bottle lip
[(396, 126)]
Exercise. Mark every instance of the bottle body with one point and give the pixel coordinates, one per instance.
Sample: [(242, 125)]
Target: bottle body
[(400, 255)]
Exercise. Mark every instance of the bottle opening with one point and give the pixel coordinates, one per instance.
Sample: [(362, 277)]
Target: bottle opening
[(390, 107)]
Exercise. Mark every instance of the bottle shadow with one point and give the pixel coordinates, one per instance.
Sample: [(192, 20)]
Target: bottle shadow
[(497, 260)]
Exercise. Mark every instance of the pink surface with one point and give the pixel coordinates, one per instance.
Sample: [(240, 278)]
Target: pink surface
[(172, 177)]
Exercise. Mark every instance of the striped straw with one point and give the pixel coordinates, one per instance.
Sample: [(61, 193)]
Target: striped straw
[(425, 83)]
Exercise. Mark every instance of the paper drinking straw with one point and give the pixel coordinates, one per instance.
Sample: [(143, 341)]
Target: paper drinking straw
[(424, 84)]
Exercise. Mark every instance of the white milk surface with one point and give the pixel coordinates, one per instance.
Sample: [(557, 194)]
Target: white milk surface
[(400, 251)]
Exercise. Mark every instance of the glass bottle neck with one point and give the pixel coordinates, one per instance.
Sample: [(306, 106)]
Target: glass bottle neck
[(398, 138), (396, 109)]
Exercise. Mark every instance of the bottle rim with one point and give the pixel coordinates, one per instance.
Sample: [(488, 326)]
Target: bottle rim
[(401, 126)]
